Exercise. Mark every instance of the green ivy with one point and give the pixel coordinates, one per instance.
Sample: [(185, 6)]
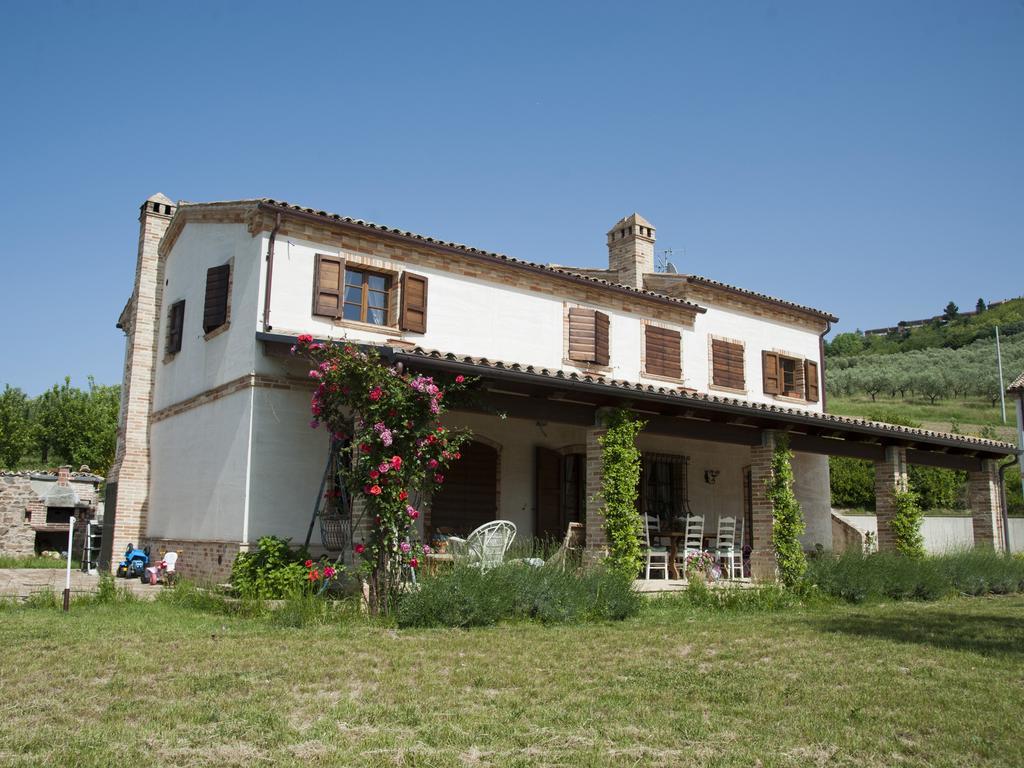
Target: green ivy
[(620, 461), (906, 525), (788, 517)]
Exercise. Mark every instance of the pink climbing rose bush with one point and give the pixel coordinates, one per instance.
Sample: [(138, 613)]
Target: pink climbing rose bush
[(395, 448)]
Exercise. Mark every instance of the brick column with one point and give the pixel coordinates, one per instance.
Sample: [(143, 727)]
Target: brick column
[(983, 500), (762, 556), (890, 477), (597, 544)]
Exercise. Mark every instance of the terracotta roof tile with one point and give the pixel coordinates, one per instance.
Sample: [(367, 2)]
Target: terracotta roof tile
[(704, 397), (1017, 385), (500, 257)]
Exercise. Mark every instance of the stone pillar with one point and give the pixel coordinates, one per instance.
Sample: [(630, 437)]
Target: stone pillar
[(596, 542), (762, 556), (128, 479), (984, 503), (890, 477)]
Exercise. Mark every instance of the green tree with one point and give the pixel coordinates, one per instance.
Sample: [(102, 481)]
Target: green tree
[(15, 428), (620, 461), (951, 312), (980, 306), (76, 426)]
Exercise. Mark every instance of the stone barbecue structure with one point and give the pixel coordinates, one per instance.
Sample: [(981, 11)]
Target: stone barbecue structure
[(35, 509)]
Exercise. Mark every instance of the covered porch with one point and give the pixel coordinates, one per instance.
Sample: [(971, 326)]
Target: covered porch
[(536, 459)]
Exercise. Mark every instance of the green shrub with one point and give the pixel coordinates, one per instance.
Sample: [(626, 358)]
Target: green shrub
[(852, 482), (620, 460), (272, 571), (854, 577), (764, 597), (788, 523), (467, 597), (906, 525), (303, 609)]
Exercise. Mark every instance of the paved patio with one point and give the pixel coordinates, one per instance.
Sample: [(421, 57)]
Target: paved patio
[(22, 582)]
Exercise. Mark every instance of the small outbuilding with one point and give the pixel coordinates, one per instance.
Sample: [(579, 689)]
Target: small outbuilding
[(36, 509)]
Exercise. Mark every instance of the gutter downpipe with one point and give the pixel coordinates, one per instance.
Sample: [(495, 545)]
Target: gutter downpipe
[(270, 273), (821, 356), (1002, 500)]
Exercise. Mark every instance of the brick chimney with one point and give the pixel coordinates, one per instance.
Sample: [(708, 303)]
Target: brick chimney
[(64, 476), (631, 250), (128, 480)]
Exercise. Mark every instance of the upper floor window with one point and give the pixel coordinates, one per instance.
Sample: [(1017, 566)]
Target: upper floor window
[(662, 352), (366, 296), (215, 307), (588, 336), (790, 376), (175, 327), (727, 364)]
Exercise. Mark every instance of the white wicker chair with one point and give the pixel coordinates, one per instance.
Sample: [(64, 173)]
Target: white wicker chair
[(485, 547)]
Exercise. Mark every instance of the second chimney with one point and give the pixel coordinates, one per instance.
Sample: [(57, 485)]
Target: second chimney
[(631, 250)]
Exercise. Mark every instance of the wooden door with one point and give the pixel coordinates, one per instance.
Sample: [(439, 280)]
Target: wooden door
[(548, 520)]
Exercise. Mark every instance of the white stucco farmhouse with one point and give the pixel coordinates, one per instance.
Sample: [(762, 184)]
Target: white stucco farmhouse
[(215, 448)]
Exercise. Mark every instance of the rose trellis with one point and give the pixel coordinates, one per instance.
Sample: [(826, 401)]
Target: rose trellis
[(394, 450)]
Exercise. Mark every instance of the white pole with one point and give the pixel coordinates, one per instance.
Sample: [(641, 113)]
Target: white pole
[(67, 574), (1002, 387)]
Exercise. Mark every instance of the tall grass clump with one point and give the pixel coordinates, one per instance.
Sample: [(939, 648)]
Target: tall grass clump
[(855, 577), (468, 597), (186, 595), (761, 598)]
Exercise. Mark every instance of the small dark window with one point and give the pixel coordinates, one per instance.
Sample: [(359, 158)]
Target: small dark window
[(366, 297), (215, 308), (175, 326)]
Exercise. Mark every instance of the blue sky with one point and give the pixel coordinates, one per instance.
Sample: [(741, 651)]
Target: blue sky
[(865, 158)]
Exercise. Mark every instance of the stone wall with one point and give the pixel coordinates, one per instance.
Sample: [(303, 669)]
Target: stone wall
[(16, 500)]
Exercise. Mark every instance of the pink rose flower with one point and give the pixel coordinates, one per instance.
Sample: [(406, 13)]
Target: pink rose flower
[(406, 547)]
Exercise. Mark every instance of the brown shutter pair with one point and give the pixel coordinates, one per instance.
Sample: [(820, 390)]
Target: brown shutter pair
[(215, 308), (772, 370), (727, 364), (329, 288), (175, 327), (662, 352), (588, 336)]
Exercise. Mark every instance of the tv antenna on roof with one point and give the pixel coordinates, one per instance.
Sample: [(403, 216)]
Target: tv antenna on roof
[(664, 263)]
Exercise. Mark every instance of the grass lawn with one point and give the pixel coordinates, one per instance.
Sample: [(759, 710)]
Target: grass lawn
[(931, 684), (34, 561), (971, 413)]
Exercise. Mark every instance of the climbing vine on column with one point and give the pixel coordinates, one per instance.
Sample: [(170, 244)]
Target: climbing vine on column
[(788, 523), (906, 524), (620, 461)]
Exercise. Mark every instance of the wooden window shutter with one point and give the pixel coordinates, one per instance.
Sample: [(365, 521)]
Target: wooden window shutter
[(176, 325), (215, 309), (588, 336), (662, 352), (771, 373), (414, 303), (727, 364), (811, 380), (328, 284)]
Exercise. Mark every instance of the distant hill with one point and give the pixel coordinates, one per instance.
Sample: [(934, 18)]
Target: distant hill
[(951, 330)]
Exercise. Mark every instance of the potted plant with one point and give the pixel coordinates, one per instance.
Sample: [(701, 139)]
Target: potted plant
[(698, 566)]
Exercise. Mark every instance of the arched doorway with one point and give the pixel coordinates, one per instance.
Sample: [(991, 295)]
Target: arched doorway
[(469, 496)]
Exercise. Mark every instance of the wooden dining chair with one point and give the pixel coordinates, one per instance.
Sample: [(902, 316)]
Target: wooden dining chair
[(656, 557), (693, 541), (728, 548)]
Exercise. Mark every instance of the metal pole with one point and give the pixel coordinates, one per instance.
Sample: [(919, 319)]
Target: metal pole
[(67, 574), (1002, 387)]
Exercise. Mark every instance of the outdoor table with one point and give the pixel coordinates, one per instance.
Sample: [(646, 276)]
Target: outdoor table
[(673, 549)]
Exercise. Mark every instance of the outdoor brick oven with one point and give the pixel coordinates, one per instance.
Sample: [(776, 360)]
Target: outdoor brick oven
[(36, 507)]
